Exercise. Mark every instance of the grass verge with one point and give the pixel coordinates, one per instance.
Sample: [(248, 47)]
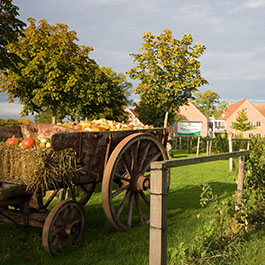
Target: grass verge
[(102, 244)]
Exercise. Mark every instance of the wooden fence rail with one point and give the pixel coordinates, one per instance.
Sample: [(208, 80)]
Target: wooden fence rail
[(158, 199), (209, 142)]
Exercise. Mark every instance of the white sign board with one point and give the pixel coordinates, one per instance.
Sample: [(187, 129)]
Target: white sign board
[(189, 128)]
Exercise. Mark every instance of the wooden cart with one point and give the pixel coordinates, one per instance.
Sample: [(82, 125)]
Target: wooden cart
[(119, 160)]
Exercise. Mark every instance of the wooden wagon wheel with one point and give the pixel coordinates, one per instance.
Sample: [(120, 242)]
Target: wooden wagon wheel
[(126, 180), (63, 226)]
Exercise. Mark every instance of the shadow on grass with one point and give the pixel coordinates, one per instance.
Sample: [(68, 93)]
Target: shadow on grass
[(189, 196), (101, 243), (178, 156)]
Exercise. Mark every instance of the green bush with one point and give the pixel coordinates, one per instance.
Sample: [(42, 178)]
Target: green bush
[(228, 221)]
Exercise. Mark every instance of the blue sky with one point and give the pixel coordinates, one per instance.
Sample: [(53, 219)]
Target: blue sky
[(232, 31)]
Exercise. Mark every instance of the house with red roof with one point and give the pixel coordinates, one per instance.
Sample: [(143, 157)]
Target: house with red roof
[(255, 113)]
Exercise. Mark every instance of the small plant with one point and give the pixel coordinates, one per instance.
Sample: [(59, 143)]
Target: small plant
[(228, 222)]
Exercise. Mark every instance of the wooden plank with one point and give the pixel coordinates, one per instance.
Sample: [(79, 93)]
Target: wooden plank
[(197, 160), (240, 180), (230, 150), (33, 219), (207, 146), (158, 217), (198, 146), (11, 191), (158, 199)]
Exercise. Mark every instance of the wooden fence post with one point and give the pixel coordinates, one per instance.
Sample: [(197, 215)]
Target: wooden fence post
[(248, 145), (210, 146), (198, 146), (158, 215), (230, 150), (207, 146), (240, 181), (180, 143)]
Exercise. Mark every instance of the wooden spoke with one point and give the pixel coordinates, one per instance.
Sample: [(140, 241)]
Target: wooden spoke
[(138, 207), (147, 166), (73, 213), (66, 213), (121, 177), (126, 165), (117, 192), (135, 154), (55, 241), (145, 198), (130, 211), (123, 202), (78, 221), (55, 233), (145, 152), (129, 161)]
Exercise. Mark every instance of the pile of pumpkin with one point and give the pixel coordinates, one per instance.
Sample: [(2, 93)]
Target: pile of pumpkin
[(28, 142), (30, 162), (102, 125)]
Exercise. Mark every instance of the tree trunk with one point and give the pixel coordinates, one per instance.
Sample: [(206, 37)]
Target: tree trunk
[(54, 116)]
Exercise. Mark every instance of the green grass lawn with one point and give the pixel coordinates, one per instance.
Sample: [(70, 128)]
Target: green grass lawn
[(102, 244)]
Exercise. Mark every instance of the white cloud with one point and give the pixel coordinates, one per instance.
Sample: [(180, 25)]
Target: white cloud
[(255, 4), (242, 65), (11, 109), (233, 32)]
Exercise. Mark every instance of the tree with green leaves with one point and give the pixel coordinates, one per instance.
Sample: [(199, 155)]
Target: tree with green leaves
[(242, 124), (58, 77), (208, 102), (107, 98), (220, 108), (169, 73), (11, 28)]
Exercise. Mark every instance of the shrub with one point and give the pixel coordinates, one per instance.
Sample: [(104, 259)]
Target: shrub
[(228, 221)]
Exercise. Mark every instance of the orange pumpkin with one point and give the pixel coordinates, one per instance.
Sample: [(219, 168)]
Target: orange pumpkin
[(27, 142), (78, 127), (12, 141)]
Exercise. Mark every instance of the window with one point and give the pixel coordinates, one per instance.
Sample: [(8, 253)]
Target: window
[(250, 135), (259, 135), (258, 124), (252, 123)]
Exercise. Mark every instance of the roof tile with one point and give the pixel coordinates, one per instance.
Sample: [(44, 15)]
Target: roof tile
[(260, 107), (229, 111)]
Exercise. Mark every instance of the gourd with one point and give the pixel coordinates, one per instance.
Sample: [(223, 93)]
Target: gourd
[(27, 142), (12, 141)]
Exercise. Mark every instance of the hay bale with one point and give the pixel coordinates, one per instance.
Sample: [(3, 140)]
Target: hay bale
[(37, 168)]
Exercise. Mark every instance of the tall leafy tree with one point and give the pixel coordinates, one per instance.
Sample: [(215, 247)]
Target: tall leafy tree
[(169, 73), (57, 75), (11, 28), (107, 99), (221, 106), (242, 124), (207, 102)]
